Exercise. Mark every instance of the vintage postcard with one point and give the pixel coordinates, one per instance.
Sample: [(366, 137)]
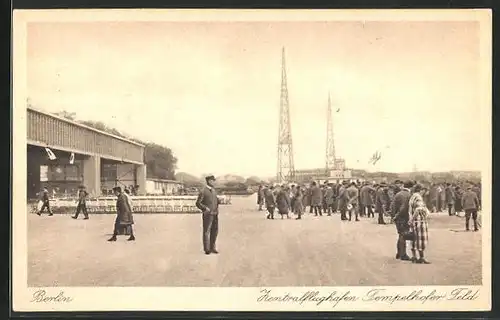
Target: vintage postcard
[(252, 160)]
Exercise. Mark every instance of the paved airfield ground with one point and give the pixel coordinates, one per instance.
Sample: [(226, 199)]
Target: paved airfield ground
[(315, 251)]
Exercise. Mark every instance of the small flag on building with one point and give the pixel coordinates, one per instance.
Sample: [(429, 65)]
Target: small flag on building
[(51, 154), (72, 158)]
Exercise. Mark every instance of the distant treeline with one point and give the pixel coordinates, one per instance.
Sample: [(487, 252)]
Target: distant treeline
[(438, 177), (162, 163)]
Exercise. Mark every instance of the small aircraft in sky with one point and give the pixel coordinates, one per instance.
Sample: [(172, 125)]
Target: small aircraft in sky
[(375, 157)]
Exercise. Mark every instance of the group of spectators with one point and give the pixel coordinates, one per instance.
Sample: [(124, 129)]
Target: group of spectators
[(406, 204)]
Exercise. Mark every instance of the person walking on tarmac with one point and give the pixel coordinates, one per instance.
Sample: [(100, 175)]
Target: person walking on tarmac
[(45, 202), (82, 204)]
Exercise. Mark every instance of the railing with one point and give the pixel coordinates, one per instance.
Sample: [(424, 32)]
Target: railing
[(140, 204)]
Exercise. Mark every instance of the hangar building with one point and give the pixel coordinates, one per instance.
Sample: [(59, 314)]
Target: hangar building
[(81, 156)]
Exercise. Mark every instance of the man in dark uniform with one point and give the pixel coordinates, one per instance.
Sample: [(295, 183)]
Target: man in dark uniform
[(46, 202), (208, 203), (470, 204), (82, 204), (400, 213), (124, 217)]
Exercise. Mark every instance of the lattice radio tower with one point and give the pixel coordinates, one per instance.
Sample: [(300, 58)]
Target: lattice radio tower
[(286, 169), (330, 143)]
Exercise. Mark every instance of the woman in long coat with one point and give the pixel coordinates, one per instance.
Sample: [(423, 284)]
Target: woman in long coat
[(283, 202), (298, 203), (418, 214), (124, 217)]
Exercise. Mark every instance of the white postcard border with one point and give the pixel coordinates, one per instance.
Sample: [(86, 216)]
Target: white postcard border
[(240, 299)]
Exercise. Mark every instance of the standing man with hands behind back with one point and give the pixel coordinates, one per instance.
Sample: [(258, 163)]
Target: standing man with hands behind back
[(208, 203)]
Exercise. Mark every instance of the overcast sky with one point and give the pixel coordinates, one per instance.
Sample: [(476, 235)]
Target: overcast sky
[(211, 91)]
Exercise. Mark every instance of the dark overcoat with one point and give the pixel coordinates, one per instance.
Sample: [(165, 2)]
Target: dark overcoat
[(323, 195), (352, 195), (381, 203), (316, 196), (365, 195), (449, 195), (400, 207), (283, 201), (477, 191), (124, 214), (207, 201), (298, 203), (342, 199), (458, 199), (307, 197), (470, 201), (269, 196), (329, 196), (260, 196)]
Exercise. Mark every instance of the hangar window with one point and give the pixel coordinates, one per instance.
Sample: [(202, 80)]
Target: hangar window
[(72, 173), (44, 172), (57, 172)]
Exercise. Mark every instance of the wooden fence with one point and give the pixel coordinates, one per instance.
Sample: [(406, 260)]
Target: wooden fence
[(140, 204)]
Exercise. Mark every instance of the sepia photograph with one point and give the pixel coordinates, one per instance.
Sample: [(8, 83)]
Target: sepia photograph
[(252, 160)]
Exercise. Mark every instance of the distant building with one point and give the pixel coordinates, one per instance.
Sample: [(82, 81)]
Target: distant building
[(467, 174), (163, 187), (339, 173)]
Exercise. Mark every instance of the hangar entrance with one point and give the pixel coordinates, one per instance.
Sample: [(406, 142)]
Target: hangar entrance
[(61, 177), (117, 174)]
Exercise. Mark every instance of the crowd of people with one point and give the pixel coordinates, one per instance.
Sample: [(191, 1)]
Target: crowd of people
[(405, 204)]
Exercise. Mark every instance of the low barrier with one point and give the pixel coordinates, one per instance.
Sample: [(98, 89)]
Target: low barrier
[(140, 204)]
